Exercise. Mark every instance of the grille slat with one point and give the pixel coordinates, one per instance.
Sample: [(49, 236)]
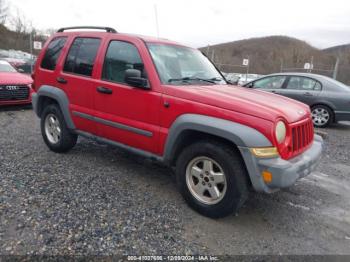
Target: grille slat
[(14, 92), (302, 136)]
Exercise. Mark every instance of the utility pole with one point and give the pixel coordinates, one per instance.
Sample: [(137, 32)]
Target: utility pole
[(208, 47), (311, 64), (335, 72), (213, 55), (281, 69), (31, 49), (246, 75)]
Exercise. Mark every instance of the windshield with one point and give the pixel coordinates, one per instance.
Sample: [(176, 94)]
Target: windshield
[(178, 65), (6, 67)]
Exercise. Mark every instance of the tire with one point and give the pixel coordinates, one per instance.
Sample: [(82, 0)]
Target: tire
[(228, 196), (54, 130), (322, 116)]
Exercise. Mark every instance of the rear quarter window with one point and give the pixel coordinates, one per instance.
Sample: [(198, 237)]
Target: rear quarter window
[(52, 53)]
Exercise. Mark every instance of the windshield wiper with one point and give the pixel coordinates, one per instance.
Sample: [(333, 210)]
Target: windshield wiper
[(186, 79), (216, 79)]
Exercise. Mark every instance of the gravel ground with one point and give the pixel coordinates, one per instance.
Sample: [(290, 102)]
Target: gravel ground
[(100, 200)]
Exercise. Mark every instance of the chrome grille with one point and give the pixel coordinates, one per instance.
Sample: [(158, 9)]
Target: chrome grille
[(302, 136), (14, 92)]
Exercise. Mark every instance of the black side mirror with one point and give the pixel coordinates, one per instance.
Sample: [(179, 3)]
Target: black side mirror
[(250, 85), (133, 78)]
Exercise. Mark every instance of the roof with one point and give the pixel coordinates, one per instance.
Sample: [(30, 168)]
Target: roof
[(152, 39), (317, 76), (148, 39)]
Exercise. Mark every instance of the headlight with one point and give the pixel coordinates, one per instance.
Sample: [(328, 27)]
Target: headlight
[(280, 131)]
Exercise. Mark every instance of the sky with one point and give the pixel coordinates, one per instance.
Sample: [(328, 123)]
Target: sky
[(199, 22)]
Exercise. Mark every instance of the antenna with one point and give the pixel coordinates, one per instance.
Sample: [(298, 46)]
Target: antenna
[(156, 17)]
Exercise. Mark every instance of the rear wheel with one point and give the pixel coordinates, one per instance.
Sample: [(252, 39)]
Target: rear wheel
[(322, 116), (54, 130), (212, 178)]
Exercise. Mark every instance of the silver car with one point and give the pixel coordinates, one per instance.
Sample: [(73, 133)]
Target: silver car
[(328, 99)]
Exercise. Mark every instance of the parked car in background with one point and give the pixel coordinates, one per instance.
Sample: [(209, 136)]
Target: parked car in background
[(328, 99), (245, 78), (233, 78), (15, 62), (15, 88), (27, 67)]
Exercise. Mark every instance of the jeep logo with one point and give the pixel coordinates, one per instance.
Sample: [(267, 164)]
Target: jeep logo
[(11, 87)]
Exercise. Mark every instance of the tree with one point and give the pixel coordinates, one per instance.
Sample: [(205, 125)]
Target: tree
[(20, 23), (3, 11)]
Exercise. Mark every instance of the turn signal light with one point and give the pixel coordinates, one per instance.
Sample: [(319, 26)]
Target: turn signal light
[(267, 176)]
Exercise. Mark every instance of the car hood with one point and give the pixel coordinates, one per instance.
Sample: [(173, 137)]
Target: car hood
[(244, 100), (7, 78)]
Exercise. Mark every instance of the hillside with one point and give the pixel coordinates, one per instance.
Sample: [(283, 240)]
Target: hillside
[(17, 40), (273, 53), (343, 52), (338, 49)]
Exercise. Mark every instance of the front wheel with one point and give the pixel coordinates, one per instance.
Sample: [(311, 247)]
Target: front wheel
[(212, 178), (54, 130)]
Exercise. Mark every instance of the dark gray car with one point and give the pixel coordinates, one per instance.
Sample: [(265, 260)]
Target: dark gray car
[(328, 99)]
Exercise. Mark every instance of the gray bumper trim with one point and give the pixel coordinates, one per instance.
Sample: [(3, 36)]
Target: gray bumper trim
[(35, 103), (114, 124), (342, 115), (284, 172)]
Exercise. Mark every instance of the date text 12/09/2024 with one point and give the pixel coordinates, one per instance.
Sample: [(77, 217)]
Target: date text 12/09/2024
[(173, 258)]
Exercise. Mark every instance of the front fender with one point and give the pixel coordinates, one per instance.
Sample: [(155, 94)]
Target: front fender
[(240, 135)]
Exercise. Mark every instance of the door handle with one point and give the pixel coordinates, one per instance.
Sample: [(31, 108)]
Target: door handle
[(61, 80), (307, 94), (273, 91), (104, 90)]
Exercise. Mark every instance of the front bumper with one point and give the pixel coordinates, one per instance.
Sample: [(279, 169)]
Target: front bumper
[(284, 172), (15, 102), (18, 102)]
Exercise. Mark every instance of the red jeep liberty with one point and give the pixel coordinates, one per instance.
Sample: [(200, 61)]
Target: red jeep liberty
[(167, 101)]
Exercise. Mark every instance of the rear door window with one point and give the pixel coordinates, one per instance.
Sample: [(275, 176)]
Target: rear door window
[(52, 53), (81, 56), (303, 83)]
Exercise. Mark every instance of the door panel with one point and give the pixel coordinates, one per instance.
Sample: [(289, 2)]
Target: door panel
[(303, 89), (75, 78), (125, 114), (80, 96)]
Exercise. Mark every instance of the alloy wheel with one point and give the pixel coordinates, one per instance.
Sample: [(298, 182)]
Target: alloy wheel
[(206, 180), (320, 116), (52, 128)]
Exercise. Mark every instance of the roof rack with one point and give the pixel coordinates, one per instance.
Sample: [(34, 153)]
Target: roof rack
[(108, 29)]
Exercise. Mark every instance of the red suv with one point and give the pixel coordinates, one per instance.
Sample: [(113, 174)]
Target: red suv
[(167, 101)]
